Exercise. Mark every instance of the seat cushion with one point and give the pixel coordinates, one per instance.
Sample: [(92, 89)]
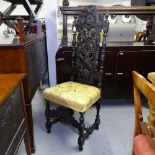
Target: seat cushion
[(141, 146), (73, 95)]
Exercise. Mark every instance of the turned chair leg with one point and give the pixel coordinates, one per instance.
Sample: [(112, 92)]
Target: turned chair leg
[(97, 120), (81, 138), (71, 112), (48, 120)]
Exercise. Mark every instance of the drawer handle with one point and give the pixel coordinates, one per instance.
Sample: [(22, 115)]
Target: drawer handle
[(60, 59), (121, 53), (120, 73), (108, 73)]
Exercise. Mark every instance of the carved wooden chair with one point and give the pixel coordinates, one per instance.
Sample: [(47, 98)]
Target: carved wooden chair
[(151, 77), (144, 134), (87, 74)]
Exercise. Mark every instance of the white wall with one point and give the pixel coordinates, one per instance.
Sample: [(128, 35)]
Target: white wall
[(50, 8)]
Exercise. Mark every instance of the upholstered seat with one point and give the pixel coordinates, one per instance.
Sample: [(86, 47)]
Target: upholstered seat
[(73, 95)]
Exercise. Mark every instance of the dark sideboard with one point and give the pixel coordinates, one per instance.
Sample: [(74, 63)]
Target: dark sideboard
[(120, 59)]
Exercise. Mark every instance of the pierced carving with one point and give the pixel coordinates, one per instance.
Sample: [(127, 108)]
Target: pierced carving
[(86, 46)]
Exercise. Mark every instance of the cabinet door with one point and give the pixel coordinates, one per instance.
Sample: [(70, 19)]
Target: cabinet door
[(109, 72), (127, 61), (63, 64)]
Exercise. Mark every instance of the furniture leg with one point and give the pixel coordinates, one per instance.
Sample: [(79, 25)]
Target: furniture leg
[(29, 114), (81, 138), (48, 120), (27, 143), (97, 120), (30, 126)]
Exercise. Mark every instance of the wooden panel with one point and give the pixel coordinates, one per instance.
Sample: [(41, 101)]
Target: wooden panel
[(36, 63), (127, 61), (11, 119), (8, 83), (109, 73), (63, 64), (12, 60)]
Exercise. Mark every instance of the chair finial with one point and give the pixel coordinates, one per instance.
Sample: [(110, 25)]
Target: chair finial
[(65, 3)]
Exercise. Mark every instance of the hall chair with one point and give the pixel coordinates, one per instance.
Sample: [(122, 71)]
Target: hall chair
[(144, 132), (85, 87)]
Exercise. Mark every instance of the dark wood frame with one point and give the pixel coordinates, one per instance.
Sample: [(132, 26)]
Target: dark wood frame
[(66, 11), (9, 10)]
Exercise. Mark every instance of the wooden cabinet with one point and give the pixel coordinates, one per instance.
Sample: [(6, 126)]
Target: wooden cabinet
[(13, 124), (127, 61), (30, 58), (120, 60)]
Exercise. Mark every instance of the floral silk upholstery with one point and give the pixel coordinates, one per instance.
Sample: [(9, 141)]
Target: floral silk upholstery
[(73, 95)]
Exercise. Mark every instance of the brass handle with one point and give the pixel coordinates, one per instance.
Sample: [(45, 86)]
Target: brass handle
[(60, 59), (108, 74), (120, 73)]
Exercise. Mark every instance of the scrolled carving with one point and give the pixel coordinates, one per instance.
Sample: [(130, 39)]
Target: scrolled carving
[(86, 46), (65, 3)]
